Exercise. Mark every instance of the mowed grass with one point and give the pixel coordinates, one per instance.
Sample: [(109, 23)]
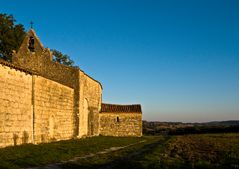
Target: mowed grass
[(131, 157), (37, 155)]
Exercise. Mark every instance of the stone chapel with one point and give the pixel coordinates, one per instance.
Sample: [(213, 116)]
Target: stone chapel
[(43, 101)]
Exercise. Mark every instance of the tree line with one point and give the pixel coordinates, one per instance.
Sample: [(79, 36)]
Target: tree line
[(156, 128), (11, 37)]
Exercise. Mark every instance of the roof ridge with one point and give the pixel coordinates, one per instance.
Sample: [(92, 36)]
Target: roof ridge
[(11, 65), (121, 108)]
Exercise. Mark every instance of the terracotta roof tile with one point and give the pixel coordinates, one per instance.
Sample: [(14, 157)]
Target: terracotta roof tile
[(120, 108)]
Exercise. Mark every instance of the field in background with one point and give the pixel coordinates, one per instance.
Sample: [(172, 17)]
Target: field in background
[(202, 151), (179, 128)]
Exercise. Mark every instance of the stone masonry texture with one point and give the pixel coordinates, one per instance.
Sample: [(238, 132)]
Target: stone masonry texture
[(120, 120), (43, 101), (53, 110), (121, 124), (15, 107)]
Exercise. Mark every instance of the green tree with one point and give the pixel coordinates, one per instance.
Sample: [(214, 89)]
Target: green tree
[(61, 58), (11, 36)]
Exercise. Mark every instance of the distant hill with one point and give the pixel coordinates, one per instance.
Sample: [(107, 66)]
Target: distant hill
[(175, 128), (222, 123), (211, 123)]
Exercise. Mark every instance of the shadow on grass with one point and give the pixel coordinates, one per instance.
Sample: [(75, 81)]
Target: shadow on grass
[(138, 165), (125, 159), (30, 155), (138, 158)]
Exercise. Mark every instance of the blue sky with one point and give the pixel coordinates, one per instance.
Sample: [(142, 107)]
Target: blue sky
[(179, 59)]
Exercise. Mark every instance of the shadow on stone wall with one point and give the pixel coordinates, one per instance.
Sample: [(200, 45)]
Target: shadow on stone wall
[(25, 137), (92, 121), (15, 139)]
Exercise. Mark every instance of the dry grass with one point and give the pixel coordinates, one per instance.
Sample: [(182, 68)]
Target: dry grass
[(211, 150)]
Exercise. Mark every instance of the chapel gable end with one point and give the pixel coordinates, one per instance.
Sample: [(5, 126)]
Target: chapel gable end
[(31, 51)]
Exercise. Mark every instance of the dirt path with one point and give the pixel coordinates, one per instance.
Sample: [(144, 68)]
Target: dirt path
[(129, 160), (75, 159)]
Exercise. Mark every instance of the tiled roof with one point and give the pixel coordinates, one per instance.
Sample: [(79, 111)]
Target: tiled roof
[(120, 108)]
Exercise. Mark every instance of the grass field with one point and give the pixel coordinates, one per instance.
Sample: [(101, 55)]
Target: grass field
[(36, 155), (204, 151), (176, 152)]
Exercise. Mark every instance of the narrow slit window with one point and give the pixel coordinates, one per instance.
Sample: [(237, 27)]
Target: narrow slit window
[(31, 44), (117, 119)]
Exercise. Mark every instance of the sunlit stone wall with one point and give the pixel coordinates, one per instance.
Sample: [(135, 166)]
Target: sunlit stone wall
[(90, 105), (15, 107), (121, 124), (53, 110)]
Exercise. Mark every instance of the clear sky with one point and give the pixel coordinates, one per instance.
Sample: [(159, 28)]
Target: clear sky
[(178, 59)]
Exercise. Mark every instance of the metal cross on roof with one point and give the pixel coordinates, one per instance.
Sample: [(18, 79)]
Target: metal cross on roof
[(31, 23)]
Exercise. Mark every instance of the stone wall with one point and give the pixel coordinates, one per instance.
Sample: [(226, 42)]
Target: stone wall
[(15, 107), (120, 124), (41, 101), (90, 105), (40, 61), (53, 110), (33, 109), (87, 91)]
